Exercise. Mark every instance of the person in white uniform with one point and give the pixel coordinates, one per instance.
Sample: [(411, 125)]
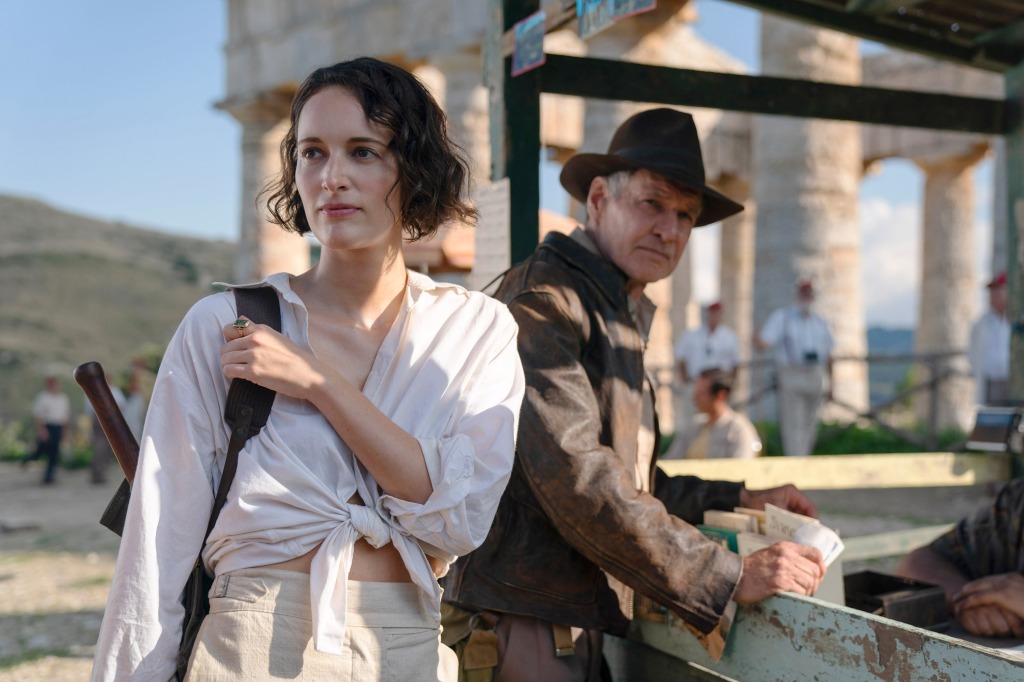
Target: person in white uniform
[(989, 352), (711, 346), (802, 345), (390, 440)]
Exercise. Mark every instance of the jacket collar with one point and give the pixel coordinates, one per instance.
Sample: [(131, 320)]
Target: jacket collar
[(602, 272)]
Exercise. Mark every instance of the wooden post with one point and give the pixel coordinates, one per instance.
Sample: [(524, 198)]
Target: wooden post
[(521, 141), (1015, 226)]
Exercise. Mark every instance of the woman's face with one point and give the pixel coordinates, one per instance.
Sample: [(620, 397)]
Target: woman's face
[(344, 173)]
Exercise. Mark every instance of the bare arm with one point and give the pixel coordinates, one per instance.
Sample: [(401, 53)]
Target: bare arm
[(927, 565), (270, 359)]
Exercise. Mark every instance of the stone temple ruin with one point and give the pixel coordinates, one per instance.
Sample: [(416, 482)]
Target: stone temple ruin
[(798, 178)]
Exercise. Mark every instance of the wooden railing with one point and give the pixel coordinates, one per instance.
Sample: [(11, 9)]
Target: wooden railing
[(792, 638), (851, 472), (938, 369)]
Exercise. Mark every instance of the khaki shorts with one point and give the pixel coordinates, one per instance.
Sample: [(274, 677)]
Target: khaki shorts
[(260, 628)]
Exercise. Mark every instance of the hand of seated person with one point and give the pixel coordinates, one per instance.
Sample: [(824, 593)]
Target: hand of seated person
[(990, 621), (787, 497), (782, 567), (992, 606)]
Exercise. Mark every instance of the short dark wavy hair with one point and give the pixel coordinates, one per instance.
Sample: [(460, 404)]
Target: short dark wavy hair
[(432, 172)]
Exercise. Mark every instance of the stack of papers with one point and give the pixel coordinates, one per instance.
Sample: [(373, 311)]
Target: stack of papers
[(745, 531)]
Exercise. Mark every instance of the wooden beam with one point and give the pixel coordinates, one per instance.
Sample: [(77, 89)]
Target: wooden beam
[(619, 80), (801, 639), (558, 14), (838, 472), (1015, 228), (946, 46), (892, 543), (521, 98), (1011, 34), (876, 7)]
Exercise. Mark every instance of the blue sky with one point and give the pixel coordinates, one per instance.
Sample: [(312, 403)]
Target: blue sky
[(108, 111)]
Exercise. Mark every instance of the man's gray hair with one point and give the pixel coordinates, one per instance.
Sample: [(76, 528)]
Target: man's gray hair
[(617, 181)]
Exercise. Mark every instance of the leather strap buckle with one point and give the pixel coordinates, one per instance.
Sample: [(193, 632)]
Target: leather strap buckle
[(564, 643)]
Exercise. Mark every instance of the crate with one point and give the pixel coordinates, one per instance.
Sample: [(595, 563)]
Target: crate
[(903, 599)]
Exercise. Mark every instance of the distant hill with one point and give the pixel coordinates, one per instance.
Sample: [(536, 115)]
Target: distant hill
[(76, 289)]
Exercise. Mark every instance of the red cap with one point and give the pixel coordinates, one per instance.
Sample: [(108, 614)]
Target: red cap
[(997, 281), (717, 305)]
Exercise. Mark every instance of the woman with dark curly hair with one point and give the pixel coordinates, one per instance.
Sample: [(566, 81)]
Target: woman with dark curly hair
[(389, 443)]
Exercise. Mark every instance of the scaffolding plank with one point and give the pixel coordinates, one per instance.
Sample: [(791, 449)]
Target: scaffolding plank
[(838, 472), (620, 80)]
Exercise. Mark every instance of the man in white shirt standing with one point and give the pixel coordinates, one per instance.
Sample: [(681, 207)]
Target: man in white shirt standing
[(712, 345), (51, 413), (989, 352), (802, 344)]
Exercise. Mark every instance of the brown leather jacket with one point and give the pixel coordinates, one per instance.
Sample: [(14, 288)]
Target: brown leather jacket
[(573, 536)]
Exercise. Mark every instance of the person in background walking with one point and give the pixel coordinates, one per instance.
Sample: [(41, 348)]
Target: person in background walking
[(50, 412)]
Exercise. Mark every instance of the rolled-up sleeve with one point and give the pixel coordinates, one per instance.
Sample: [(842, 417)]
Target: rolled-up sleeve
[(469, 466)]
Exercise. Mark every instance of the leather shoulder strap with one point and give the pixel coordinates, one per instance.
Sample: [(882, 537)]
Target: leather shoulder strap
[(248, 404)]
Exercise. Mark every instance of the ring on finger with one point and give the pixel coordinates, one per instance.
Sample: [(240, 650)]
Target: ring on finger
[(240, 326)]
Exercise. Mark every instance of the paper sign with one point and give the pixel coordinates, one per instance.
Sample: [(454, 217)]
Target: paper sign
[(529, 43), (593, 16), (627, 8), (493, 243)]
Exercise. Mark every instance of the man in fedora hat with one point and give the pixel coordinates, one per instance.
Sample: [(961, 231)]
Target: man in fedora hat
[(587, 519), (989, 351)]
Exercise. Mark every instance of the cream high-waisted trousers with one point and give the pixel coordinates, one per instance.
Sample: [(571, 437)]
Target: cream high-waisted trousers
[(260, 628)]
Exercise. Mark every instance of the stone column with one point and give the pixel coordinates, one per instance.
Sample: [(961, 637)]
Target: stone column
[(1000, 221), (465, 103), (948, 289), (806, 177), (736, 277), (264, 247)]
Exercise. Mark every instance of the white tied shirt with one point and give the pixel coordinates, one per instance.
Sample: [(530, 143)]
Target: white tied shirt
[(703, 349), (448, 373), (793, 335)]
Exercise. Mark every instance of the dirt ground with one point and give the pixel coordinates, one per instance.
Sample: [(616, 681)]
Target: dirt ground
[(56, 561)]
